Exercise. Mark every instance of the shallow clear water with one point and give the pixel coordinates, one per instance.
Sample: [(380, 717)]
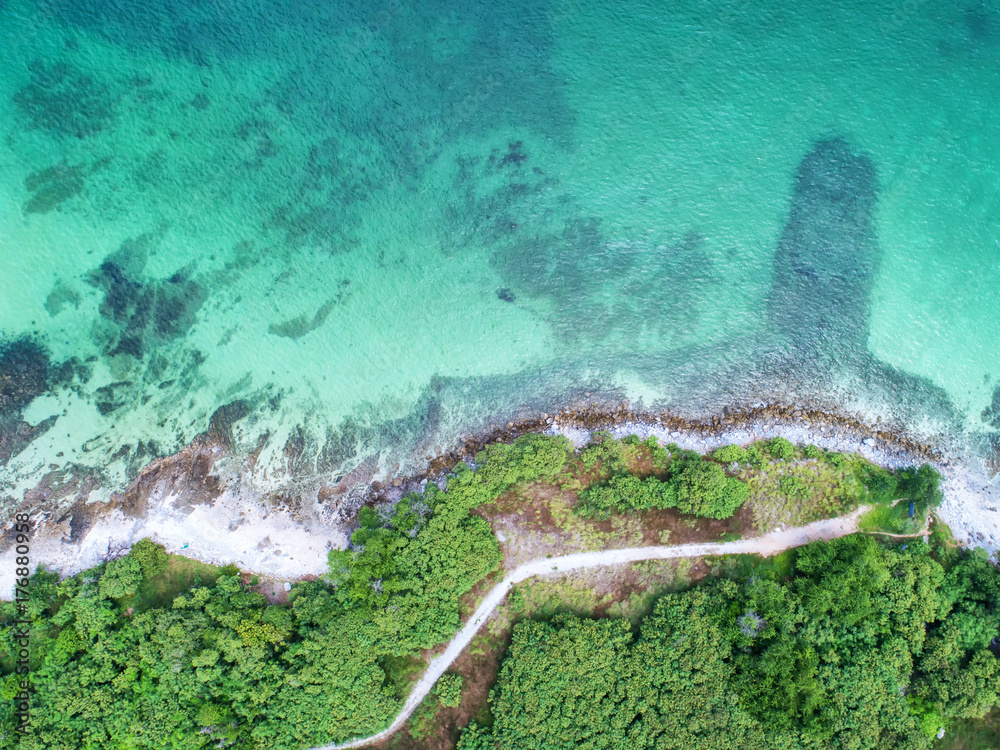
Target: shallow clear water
[(381, 223)]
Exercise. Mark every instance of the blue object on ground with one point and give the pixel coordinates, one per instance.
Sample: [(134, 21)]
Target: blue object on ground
[(911, 510)]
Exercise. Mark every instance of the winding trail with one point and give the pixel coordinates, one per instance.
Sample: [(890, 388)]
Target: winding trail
[(770, 544)]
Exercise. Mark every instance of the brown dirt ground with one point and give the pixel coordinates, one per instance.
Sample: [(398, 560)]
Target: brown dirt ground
[(272, 588)]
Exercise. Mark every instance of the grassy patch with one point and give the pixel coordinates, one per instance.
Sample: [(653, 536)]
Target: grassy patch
[(798, 490), (401, 671), (543, 599), (182, 573), (973, 734), (422, 720), (893, 519)]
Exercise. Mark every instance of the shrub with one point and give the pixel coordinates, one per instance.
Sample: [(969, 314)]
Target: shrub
[(449, 689), (882, 485), (211, 715), (528, 458), (755, 457), (625, 492), (152, 557), (678, 453), (121, 578), (729, 453), (813, 452), (660, 455), (604, 449), (780, 448), (696, 487), (476, 737), (922, 486), (703, 489)]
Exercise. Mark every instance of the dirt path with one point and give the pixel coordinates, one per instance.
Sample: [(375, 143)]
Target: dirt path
[(770, 544)]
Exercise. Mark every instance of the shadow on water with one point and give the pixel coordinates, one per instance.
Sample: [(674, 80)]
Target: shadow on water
[(827, 256), (810, 348), (810, 345)]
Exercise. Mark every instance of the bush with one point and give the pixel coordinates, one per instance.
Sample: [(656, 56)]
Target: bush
[(696, 487), (679, 454), (476, 737), (882, 485), (625, 492), (755, 457), (449, 689), (780, 448), (604, 449), (211, 715), (729, 453), (152, 557), (121, 578), (528, 458), (921, 486), (813, 452), (703, 489), (659, 454)]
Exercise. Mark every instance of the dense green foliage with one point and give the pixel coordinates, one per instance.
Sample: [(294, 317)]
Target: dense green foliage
[(865, 646), (692, 485), (219, 666), (729, 453), (449, 689), (148, 651), (703, 489), (780, 448)]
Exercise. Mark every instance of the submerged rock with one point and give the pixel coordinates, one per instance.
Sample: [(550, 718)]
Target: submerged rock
[(24, 374)]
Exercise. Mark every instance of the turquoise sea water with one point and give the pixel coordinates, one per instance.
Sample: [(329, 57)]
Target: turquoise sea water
[(377, 224)]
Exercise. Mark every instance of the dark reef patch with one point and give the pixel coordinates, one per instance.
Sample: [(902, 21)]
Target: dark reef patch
[(991, 414), (339, 174), (506, 295), (299, 326), (201, 102), (982, 24), (220, 425), (111, 397), (25, 373), (547, 249), (53, 186), (144, 313), (65, 102), (341, 445), (62, 294)]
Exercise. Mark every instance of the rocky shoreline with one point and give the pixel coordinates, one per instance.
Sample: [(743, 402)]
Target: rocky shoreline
[(196, 502)]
